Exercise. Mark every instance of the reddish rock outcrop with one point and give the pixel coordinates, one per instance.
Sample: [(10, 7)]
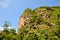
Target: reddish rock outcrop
[(21, 22)]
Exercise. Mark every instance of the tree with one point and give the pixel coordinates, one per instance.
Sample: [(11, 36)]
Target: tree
[(8, 34)]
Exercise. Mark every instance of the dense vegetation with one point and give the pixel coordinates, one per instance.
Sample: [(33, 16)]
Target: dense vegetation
[(43, 23)]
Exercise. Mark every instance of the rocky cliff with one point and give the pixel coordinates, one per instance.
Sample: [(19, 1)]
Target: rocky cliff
[(41, 16)]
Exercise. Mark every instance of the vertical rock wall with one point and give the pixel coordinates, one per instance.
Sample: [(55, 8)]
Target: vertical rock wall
[(21, 22)]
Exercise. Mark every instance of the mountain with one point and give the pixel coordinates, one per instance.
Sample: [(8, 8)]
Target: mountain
[(47, 16), (42, 23)]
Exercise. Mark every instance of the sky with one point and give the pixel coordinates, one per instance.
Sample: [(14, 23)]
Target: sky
[(11, 10)]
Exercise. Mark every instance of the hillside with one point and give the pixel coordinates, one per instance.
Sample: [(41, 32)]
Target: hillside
[(42, 23), (44, 15)]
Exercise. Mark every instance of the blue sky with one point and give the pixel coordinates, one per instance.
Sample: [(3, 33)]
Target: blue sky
[(11, 10)]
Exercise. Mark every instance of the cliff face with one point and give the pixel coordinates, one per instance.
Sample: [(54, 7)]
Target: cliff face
[(21, 22), (47, 16), (24, 17)]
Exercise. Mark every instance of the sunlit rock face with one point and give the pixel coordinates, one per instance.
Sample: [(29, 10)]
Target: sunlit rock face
[(21, 22)]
